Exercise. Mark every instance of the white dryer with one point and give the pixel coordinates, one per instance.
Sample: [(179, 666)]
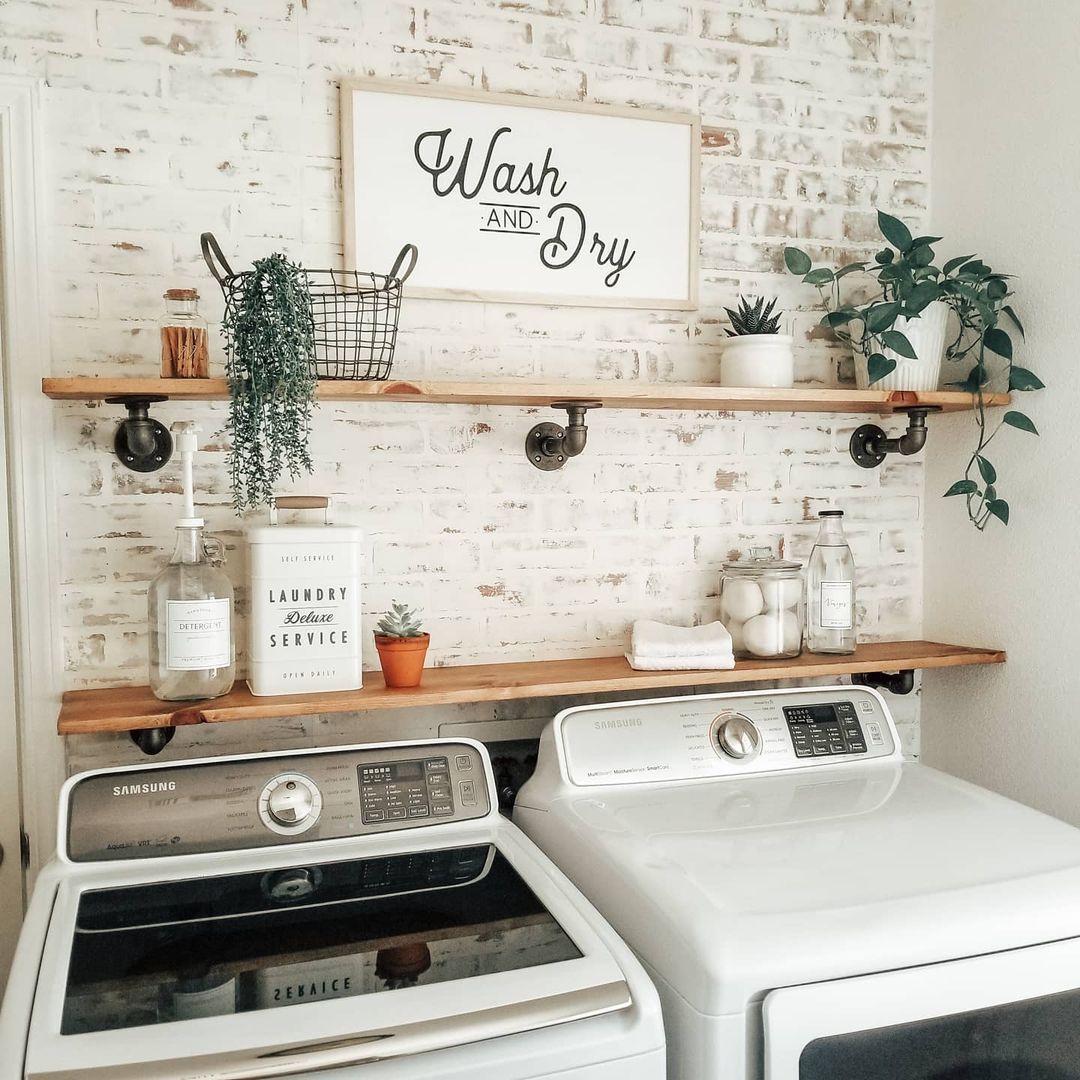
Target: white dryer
[(809, 905), (355, 912)]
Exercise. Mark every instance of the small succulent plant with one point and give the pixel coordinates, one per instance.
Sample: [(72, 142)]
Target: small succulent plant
[(400, 622), (758, 319)]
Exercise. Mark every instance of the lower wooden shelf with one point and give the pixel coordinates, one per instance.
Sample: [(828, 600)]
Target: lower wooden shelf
[(134, 708)]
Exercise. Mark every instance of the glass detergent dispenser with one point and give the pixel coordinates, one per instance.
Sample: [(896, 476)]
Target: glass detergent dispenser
[(761, 604)]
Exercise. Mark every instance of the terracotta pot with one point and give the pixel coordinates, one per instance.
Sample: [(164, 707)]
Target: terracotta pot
[(402, 659)]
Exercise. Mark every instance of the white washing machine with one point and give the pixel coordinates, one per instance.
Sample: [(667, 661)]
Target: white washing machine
[(352, 912), (809, 905)]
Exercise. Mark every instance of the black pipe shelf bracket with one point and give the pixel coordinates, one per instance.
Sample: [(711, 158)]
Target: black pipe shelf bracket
[(152, 741), (549, 446), (895, 682), (869, 445), (141, 443)]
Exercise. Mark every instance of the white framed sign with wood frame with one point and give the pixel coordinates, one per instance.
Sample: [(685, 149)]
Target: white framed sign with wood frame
[(520, 199)]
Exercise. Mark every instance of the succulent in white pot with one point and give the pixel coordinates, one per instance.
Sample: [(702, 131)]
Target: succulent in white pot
[(755, 352)]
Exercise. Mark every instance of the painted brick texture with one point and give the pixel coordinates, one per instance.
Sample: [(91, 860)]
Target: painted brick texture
[(166, 118)]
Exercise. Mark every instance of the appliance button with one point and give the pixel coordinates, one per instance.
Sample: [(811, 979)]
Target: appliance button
[(804, 751), (874, 731), (856, 747), (467, 790), (418, 811), (396, 813), (443, 810), (374, 815), (463, 762), (866, 705)]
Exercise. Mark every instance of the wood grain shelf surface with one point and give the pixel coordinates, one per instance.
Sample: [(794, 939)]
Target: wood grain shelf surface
[(613, 394), (134, 707)]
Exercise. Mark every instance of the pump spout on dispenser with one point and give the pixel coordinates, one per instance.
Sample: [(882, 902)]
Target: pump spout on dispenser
[(186, 441)]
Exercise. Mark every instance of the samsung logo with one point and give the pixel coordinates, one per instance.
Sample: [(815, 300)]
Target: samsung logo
[(144, 789), (601, 725)]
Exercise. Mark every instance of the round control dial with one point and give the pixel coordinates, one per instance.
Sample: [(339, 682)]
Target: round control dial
[(738, 737), (290, 804)]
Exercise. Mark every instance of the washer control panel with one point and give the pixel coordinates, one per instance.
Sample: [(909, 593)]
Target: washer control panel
[(715, 735), (265, 799)]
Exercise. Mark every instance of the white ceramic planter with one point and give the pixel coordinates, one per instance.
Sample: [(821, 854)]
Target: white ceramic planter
[(758, 360), (927, 337)]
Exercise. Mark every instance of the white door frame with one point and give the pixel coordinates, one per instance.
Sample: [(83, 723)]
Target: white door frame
[(31, 494)]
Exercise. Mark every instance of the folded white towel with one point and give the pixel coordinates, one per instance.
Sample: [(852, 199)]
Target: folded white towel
[(649, 638), (710, 662)]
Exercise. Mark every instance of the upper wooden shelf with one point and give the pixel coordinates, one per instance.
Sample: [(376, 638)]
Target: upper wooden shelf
[(133, 708), (613, 394)]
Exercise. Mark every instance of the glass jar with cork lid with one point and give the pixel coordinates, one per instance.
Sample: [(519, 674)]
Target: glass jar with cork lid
[(185, 352)]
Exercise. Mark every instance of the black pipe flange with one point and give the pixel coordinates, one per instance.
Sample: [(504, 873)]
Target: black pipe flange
[(869, 445), (141, 443), (548, 446)]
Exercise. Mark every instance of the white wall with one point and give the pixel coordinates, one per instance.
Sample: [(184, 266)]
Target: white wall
[(168, 117), (1006, 162)]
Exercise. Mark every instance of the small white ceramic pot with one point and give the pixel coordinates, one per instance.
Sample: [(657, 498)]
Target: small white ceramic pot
[(758, 360), (927, 336)]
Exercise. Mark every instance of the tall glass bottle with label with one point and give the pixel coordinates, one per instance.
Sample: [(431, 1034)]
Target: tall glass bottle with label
[(190, 602), (830, 589)]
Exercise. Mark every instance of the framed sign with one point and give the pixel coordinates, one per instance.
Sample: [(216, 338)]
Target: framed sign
[(517, 199)]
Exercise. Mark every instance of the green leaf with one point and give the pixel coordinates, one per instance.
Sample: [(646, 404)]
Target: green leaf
[(989, 473), (884, 257), (1020, 421), (798, 262), (962, 487), (996, 340), (899, 343), (882, 316), (921, 255), (976, 268), (894, 230), (996, 289), (878, 366), (926, 240), (840, 317), (991, 493), (952, 264), (821, 276), (1022, 379), (851, 268), (977, 377), (922, 296), (1015, 320), (1000, 509)]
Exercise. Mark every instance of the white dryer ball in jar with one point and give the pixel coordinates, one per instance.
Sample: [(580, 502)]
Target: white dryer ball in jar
[(781, 593), (741, 600), (735, 629), (772, 634)]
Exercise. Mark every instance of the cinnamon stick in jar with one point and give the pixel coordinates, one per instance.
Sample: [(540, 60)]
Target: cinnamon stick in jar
[(185, 352)]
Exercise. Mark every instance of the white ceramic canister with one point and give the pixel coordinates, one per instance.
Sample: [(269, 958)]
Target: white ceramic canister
[(763, 360), (304, 632)]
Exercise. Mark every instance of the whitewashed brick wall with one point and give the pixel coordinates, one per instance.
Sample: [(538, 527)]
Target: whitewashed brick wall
[(169, 117)]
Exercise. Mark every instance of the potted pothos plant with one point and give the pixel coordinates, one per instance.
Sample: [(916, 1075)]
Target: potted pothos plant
[(402, 644), (755, 352), (912, 312), (269, 349)]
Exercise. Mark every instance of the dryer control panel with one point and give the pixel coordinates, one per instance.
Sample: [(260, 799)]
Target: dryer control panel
[(231, 804), (715, 735)]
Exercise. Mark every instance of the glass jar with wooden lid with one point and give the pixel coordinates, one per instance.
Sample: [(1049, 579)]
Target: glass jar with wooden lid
[(185, 337)]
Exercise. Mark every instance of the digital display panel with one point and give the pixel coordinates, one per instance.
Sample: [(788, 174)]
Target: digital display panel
[(811, 714)]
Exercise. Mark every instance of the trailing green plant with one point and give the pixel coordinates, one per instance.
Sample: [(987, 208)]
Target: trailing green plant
[(400, 622), (758, 319), (904, 280), (269, 348)]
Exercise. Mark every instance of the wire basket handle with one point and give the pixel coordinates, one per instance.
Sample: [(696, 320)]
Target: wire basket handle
[(407, 252), (211, 250)]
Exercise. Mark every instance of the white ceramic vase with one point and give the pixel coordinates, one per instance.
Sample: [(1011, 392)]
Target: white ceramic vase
[(927, 336), (758, 360)]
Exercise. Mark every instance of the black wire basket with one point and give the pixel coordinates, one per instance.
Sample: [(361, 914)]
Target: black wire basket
[(354, 313)]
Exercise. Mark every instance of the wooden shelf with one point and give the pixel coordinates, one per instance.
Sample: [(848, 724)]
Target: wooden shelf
[(613, 394), (135, 708)]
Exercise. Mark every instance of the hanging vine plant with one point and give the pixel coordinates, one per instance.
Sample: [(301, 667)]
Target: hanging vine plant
[(269, 350), (905, 281)]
